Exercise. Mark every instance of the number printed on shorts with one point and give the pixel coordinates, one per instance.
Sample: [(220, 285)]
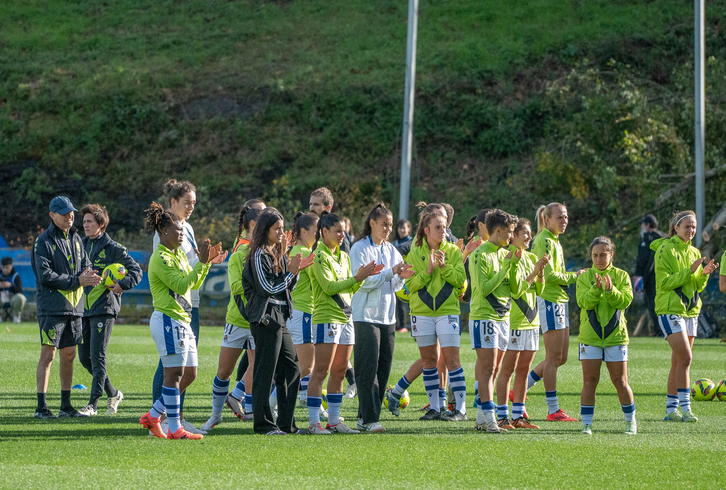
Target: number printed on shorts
[(490, 328), (180, 333), (228, 329), (516, 333), (559, 310)]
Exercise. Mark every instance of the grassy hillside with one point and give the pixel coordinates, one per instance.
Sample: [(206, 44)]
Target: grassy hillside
[(517, 104)]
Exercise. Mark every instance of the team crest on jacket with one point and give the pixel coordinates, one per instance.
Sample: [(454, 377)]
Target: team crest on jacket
[(102, 254)]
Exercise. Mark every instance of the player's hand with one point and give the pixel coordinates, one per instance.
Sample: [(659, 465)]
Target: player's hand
[(460, 244), (89, 278), (219, 258), (5, 284), (577, 274), (117, 289), (365, 271), (696, 264), (400, 267), (204, 251), (293, 267), (407, 273), (284, 240), (710, 268), (539, 267), (441, 258), (471, 246), (598, 281), (432, 262), (518, 253), (607, 283)]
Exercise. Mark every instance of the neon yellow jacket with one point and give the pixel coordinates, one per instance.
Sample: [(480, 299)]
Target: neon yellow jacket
[(333, 285), (435, 294), (302, 295), (602, 318), (676, 287), (556, 276), (171, 280), (237, 293), (489, 270), (524, 314)]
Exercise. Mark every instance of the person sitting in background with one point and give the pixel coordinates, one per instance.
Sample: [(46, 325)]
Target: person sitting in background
[(11, 291)]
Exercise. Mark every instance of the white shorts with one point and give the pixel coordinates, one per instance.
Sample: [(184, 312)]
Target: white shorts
[(427, 330), (174, 341), (524, 339), (488, 334), (301, 327), (237, 337), (614, 353), (553, 316), (673, 323), (335, 333)]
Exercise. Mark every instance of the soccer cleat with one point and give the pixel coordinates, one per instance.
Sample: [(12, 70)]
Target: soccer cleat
[(560, 416), (490, 427), (504, 424), (394, 403), (189, 427), (454, 416), (631, 428), (586, 430), (236, 406), (351, 392), (16, 319), (431, 414), (183, 434), (303, 399), (689, 417), (374, 427), (673, 417), (251, 416), (44, 414), (72, 412), (276, 432), (317, 429), (213, 421), (425, 408), (154, 426), (524, 423), (341, 428), (112, 403), (88, 411)]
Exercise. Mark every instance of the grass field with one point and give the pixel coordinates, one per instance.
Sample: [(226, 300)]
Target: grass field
[(115, 452)]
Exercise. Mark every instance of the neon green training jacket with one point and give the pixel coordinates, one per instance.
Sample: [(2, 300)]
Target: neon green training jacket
[(556, 276), (676, 287), (489, 269), (237, 293), (172, 279), (435, 294), (524, 314), (333, 285), (602, 318), (302, 295)]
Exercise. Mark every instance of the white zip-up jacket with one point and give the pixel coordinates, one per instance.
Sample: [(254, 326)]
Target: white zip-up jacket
[(375, 301)]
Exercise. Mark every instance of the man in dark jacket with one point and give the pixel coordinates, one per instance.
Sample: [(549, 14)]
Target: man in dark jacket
[(11, 290), (61, 269), (645, 266), (102, 305)]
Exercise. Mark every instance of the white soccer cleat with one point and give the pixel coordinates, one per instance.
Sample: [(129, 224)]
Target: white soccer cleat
[(213, 421), (189, 427), (113, 402), (341, 428), (88, 411), (351, 392), (317, 429)]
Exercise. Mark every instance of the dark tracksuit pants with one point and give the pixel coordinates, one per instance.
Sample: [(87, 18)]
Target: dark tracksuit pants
[(373, 355), (275, 358), (92, 353)]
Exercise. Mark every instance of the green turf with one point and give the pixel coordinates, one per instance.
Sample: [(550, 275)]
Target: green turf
[(116, 452)]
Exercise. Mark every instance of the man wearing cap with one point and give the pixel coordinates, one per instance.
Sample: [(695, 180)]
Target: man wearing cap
[(645, 266), (61, 267)]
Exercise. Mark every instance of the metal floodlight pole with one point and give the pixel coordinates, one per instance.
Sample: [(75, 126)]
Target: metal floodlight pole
[(407, 142), (700, 122)]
